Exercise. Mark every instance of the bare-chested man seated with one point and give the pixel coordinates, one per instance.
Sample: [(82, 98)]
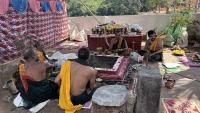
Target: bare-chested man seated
[(79, 79), (32, 82)]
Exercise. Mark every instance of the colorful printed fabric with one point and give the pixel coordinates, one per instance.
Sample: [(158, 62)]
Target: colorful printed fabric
[(45, 6), (180, 106), (59, 6), (64, 6), (20, 5), (11, 25), (49, 27), (34, 5), (53, 6), (4, 6)]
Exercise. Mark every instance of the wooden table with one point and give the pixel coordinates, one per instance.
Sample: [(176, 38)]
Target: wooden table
[(95, 41)]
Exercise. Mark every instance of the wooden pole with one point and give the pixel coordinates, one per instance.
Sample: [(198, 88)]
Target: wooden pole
[(174, 5)]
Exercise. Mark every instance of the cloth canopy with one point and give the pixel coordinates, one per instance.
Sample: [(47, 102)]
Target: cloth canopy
[(20, 5), (45, 6), (34, 5), (4, 6)]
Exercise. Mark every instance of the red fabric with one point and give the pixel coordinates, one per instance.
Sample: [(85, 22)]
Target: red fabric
[(24, 79), (53, 5), (49, 27), (64, 6), (34, 5), (4, 6)]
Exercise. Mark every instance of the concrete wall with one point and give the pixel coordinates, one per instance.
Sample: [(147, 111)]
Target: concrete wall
[(147, 21)]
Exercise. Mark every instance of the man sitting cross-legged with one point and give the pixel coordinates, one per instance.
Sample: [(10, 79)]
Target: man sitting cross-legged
[(117, 44), (154, 46)]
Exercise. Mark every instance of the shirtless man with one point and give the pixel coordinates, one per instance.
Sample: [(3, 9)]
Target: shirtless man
[(33, 84), (34, 69), (82, 83)]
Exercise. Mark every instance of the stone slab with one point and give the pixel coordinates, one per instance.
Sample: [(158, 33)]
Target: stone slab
[(111, 95), (148, 91)]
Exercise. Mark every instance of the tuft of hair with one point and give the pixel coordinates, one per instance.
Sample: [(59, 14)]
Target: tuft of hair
[(151, 32), (83, 53), (28, 54)]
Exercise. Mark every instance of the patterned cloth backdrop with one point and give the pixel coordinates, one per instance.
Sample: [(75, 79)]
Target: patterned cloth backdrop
[(50, 28)]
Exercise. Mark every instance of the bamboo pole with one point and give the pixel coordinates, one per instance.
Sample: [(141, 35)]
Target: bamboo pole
[(90, 12), (196, 6)]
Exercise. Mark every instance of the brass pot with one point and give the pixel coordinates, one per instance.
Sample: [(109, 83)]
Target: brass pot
[(170, 84)]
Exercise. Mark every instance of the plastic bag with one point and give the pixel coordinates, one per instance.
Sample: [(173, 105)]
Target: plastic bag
[(183, 40), (169, 40), (177, 32), (78, 35)]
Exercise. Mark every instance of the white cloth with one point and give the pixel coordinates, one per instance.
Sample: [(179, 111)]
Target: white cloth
[(136, 57), (18, 102), (63, 57), (171, 65), (183, 40)]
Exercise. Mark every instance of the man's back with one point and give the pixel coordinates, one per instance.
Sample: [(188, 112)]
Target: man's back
[(37, 71), (81, 76)]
